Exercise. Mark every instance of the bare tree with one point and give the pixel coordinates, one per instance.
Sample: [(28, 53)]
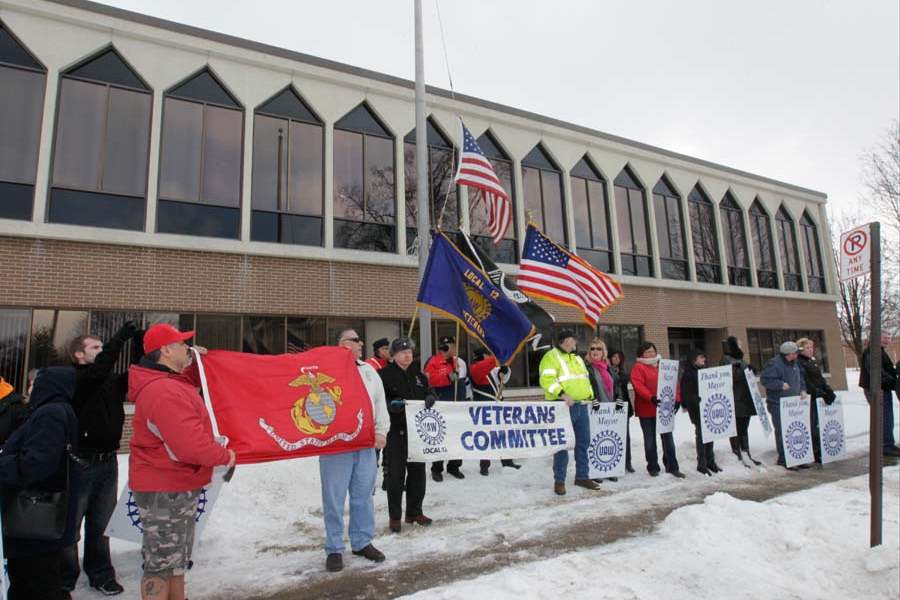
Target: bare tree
[(881, 177)]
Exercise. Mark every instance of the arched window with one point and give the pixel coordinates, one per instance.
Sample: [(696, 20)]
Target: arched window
[(735, 241), (22, 80), (287, 172), (705, 236), (763, 248), (200, 159), (669, 230), (787, 244), (364, 204), (591, 208), (102, 145), (441, 189), (507, 250), (815, 276), (542, 181)]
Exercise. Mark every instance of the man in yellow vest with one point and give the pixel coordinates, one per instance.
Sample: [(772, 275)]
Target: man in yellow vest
[(564, 376)]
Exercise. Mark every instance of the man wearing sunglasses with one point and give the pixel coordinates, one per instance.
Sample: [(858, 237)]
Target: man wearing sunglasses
[(354, 473)]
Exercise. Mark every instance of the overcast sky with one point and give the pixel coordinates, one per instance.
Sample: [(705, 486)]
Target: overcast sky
[(794, 90)]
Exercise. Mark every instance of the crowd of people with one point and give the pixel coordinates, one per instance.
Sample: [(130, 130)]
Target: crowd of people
[(59, 444)]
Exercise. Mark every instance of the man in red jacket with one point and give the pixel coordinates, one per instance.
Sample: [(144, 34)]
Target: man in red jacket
[(173, 453)]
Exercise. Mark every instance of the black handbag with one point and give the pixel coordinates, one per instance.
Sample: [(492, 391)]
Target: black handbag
[(37, 514)]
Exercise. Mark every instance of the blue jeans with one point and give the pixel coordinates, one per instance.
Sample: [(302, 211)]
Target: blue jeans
[(352, 472), (774, 407), (887, 419), (582, 426), (96, 503), (670, 460)]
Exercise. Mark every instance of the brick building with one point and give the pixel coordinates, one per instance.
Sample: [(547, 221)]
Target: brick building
[(266, 198)]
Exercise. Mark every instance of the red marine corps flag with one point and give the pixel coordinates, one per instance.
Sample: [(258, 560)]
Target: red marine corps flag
[(289, 405)]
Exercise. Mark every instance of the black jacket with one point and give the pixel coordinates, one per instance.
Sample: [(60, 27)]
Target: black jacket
[(743, 400), (816, 386), (99, 397), (888, 371), (690, 389), (35, 455), (410, 384), (620, 385), (13, 412)]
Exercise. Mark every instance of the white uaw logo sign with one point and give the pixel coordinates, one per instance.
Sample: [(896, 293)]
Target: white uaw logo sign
[(666, 408), (833, 438), (605, 450), (797, 439), (717, 414), (431, 426)]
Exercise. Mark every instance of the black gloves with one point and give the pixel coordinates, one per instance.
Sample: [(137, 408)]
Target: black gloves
[(430, 399), (620, 405), (830, 397), (595, 404), (504, 371), (654, 400), (675, 408), (127, 331)]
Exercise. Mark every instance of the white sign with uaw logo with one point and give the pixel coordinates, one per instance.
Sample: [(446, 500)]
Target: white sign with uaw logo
[(758, 402), (856, 252), (485, 430), (606, 451), (831, 431), (716, 403), (795, 432), (125, 522), (665, 393)]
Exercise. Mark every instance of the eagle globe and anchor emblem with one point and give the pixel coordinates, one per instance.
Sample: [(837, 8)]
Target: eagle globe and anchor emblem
[(314, 412)]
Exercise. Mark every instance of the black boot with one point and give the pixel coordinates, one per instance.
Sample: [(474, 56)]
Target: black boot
[(745, 446), (736, 446)]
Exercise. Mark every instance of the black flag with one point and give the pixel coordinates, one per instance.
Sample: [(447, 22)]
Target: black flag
[(540, 318)]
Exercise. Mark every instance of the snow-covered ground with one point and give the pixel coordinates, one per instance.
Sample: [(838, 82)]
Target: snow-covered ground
[(266, 531), (809, 544)]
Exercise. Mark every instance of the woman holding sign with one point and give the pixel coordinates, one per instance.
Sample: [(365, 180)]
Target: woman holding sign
[(601, 380), (644, 379), (690, 398), (816, 387)]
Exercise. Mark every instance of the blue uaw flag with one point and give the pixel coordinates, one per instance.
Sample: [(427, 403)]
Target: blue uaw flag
[(455, 287)]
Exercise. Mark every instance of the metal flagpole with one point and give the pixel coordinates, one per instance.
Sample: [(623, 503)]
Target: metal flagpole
[(876, 395), (422, 200)]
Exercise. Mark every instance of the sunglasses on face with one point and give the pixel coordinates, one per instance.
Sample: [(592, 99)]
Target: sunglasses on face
[(597, 348), (355, 340)]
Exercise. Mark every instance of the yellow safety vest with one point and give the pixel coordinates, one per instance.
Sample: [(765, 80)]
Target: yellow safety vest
[(565, 373)]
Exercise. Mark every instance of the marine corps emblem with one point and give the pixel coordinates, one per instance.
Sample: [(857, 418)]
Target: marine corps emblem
[(481, 306), (314, 412)]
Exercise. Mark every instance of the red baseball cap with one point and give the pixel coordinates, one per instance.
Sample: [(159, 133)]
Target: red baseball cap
[(162, 334)]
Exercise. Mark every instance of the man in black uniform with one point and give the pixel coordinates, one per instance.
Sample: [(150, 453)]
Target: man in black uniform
[(99, 394), (403, 381)]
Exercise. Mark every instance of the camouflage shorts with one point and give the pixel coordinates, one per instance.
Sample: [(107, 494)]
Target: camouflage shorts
[(168, 522)]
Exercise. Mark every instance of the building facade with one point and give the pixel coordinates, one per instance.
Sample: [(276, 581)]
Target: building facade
[(158, 172)]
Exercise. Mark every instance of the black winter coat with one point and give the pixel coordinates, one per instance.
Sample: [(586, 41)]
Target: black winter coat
[(743, 399), (410, 384), (35, 455), (620, 386), (690, 392), (816, 386), (888, 371), (99, 397)]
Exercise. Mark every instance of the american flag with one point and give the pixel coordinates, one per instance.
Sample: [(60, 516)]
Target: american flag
[(476, 171), (549, 271)]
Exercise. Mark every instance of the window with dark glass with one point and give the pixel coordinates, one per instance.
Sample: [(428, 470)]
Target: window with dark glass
[(542, 182), (216, 332), (507, 250), (669, 230), (634, 226), (264, 335), (815, 276), (764, 344), (304, 333), (200, 160), (443, 200), (787, 245), (705, 236), (288, 191), (14, 328), (51, 332), (763, 248), (735, 241), (364, 205), (22, 80), (589, 203), (102, 145)]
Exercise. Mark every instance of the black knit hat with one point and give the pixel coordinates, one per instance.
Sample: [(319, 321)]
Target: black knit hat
[(401, 344), (564, 334), (381, 343)]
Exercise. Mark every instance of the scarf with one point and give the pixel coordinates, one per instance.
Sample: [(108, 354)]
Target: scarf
[(652, 362), (603, 368)]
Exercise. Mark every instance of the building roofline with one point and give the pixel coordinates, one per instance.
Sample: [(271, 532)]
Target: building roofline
[(325, 63)]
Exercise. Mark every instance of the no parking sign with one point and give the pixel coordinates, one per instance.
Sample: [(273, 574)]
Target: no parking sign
[(856, 250)]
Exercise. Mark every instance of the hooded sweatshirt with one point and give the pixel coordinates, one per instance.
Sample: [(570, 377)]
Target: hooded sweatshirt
[(172, 449), (35, 456)]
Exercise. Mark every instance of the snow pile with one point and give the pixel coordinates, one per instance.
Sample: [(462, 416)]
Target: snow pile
[(809, 544)]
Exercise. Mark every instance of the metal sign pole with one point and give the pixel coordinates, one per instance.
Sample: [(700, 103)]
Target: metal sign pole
[(423, 217), (876, 396)]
